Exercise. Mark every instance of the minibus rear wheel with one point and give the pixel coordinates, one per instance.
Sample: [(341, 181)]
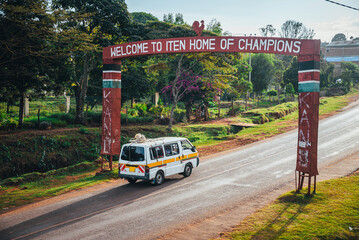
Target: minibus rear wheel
[(159, 178), (132, 180)]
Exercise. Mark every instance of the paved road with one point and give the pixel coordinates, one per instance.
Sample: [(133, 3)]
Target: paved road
[(143, 211)]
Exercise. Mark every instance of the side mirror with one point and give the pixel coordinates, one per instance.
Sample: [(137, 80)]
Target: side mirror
[(193, 148)]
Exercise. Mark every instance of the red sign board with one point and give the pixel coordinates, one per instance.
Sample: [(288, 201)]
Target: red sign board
[(213, 44)]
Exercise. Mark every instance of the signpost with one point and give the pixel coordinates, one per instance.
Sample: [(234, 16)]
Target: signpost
[(307, 50)]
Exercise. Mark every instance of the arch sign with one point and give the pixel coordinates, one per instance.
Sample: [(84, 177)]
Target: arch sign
[(307, 50)]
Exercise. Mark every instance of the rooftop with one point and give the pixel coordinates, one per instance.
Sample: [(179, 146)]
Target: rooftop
[(350, 43)]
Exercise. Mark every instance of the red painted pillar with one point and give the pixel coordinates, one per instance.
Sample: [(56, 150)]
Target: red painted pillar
[(308, 101), (111, 109)]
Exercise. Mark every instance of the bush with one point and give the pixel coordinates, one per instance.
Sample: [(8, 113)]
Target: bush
[(141, 108), (8, 124), (45, 125), (179, 115), (134, 120), (83, 130), (12, 181), (62, 107), (69, 118), (272, 93), (133, 112), (212, 105), (237, 109), (30, 177), (94, 117), (157, 111)]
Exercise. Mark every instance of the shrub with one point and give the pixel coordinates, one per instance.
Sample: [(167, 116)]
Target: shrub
[(62, 107), (69, 118), (179, 115), (94, 117), (8, 124), (193, 139), (272, 93), (45, 125), (157, 111), (237, 109), (12, 181), (134, 120), (141, 108), (212, 105), (83, 130), (30, 177)]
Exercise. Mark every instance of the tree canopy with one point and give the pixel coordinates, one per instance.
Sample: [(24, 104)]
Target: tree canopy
[(339, 37), (143, 17), (262, 71), (295, 29)]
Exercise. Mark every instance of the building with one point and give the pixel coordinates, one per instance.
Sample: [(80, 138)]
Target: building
[(341, 51)]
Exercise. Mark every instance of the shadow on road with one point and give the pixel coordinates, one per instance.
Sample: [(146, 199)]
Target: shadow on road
[(75, 212)]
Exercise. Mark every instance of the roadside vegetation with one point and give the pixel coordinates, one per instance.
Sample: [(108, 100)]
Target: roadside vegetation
[(331, 213), (45, 157)]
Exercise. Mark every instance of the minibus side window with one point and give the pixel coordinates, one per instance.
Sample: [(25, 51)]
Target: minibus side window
[(156, 152), (159, 151), (153, 153), (171, 149)]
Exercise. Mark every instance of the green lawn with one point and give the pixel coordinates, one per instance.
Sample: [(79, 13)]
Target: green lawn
[(328, 214), (50, 186)]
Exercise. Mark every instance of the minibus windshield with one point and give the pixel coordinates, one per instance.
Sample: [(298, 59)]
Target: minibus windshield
[(132, 153)]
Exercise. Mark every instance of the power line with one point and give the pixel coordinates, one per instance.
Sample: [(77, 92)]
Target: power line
[(342, 5)]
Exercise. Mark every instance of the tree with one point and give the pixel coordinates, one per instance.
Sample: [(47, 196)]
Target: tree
[(168, 18), (272, 93), (339, 37), (214, 26), (326, 73), (349, 75), (143, 17), (26, 31), (290, 75), (179, 19), (262, 71), (268, 31), (100, 24), (289, 89), (134, 79), (294, 29)]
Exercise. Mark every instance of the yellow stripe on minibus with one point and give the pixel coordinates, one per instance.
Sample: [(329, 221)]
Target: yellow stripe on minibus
[(169, 160), (155, 164), (192, 155)]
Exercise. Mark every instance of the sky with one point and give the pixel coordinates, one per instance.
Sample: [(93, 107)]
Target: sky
[(245, 17)]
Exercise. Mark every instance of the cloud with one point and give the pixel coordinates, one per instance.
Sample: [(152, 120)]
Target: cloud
[(326, 30)]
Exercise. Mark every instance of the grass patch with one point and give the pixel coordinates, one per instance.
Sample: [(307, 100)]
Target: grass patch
[(51, 185), (325, 215), (204, 134)]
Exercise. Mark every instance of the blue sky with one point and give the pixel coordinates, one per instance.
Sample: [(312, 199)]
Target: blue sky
[(246, 16)]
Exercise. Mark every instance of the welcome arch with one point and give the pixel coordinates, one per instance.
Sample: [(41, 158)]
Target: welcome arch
[(307, 50)]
